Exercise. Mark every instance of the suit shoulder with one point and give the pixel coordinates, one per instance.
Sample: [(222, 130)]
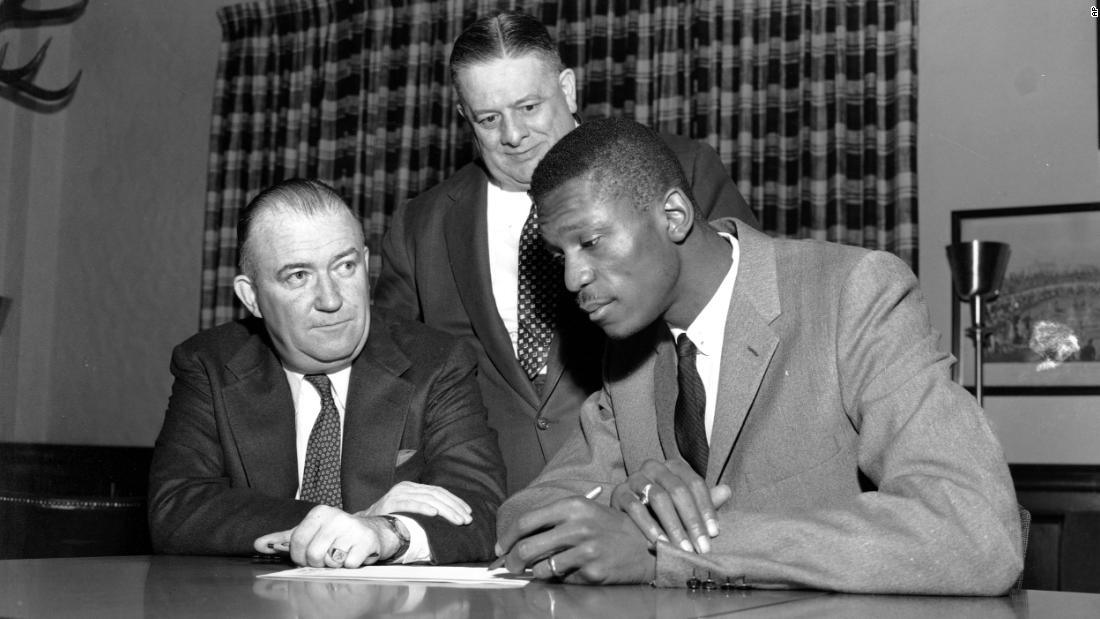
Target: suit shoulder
[(469, 175), (822, 261), (681, 145), (416, 339), (226, 336)]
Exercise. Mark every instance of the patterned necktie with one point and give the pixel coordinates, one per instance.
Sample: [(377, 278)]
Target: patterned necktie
[(540, 278), (691, 404), (321, 476)]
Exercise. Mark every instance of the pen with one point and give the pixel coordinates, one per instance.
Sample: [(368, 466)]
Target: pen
[(591, 494)]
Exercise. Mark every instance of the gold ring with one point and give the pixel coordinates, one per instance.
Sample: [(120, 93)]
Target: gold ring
[(554, 569), (337, 554), (644, 496)]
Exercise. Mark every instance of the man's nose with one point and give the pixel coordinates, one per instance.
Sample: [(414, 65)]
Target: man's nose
[(577, 275), (512, 130), (329, 298)]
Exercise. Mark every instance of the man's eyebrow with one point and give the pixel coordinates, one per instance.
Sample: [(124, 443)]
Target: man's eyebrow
[(344, 254), (294, 266), (519, 102)]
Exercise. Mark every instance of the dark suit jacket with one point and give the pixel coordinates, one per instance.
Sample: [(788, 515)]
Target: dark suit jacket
[(224, 469), (435, 267), (830, 378)]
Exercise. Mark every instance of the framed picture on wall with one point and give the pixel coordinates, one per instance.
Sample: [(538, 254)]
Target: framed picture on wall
[(1044, 326)]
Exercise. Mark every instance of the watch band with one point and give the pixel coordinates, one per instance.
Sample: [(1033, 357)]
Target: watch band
[(391, 522)]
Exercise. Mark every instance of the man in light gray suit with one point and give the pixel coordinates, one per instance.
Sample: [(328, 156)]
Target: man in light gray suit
[(801, 431)]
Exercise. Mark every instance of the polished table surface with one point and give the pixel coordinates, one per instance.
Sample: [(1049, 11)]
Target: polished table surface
[(175, 586)]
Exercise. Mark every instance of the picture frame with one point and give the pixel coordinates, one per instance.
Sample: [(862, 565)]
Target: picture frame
[(1053, 278)]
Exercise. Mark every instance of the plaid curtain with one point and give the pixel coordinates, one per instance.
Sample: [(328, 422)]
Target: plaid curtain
[(811, 104)]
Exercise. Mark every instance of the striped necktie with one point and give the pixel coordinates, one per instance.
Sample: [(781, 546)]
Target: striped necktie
[(691, 406)]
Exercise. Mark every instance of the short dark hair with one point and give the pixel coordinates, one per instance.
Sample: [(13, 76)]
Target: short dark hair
[(503, 35), (298, 195), (622, 158)]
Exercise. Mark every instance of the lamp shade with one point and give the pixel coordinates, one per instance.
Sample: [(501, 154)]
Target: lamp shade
[(978, 268)]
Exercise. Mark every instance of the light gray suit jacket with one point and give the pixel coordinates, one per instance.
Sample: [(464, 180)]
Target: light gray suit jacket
[(435, 268), (856, 464)]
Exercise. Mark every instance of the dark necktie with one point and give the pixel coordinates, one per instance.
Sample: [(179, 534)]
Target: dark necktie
[(539, 280), (691, 404), (321, 475)]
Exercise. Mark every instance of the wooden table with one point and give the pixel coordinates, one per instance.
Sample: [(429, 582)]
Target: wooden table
[(176, 586)]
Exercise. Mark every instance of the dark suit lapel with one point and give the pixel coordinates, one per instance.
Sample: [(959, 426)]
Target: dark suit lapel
[(748, 347), (260, 410), (374, 417), (467, 235)]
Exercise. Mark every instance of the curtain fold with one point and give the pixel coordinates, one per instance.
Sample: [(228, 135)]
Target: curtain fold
[(811, 104)]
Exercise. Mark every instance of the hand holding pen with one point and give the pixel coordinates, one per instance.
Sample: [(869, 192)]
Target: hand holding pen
[(499, 561), (578, 540)]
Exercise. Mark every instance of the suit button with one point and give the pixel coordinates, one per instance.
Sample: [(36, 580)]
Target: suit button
[(543, 423)]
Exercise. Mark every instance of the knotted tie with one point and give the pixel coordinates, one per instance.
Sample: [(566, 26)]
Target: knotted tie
[(540, 278), (691, 427), (321, 476)]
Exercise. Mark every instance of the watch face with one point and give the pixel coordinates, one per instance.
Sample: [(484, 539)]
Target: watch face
[(398, 531)]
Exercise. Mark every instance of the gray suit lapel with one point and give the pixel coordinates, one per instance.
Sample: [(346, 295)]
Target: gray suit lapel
[(666, 389), (637, 382), (260, 411), (749, 343), (467, 232)]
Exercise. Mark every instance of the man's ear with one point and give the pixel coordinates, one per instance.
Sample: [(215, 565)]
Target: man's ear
[(567, 81), (246, 292), (679, 215)]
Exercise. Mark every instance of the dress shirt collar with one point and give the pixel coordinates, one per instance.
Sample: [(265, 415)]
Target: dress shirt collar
[(339, 380), (708, 329)]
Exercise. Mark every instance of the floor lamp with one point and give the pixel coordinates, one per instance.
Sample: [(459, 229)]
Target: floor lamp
[(977, 269)]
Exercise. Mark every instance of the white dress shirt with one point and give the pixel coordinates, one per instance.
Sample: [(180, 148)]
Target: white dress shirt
[(307, 407), (708, 333), (507, 211)]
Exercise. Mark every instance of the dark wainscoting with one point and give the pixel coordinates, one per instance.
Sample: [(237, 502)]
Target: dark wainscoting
[(1063, 552), (73, 500), (83, 500)]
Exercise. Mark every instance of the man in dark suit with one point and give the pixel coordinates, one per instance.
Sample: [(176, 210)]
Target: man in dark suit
[(458, 255), (341, 435), (775, 413)]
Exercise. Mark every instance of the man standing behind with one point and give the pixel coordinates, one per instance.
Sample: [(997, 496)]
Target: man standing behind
[(342, 435), (774, 413), (465, 256)]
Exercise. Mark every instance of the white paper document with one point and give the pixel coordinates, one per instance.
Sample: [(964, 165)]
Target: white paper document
[(462, 576)]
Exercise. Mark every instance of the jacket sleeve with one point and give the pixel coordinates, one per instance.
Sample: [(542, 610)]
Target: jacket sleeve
[(462, 456), (942, 518), (590, 457), (193, 506)]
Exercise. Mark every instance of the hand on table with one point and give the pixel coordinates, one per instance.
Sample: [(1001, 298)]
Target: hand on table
[(411, 497), (578, 541), (668, 501), (330, 537)]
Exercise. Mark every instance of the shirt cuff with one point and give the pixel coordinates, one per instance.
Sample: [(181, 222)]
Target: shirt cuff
[(419, 551)]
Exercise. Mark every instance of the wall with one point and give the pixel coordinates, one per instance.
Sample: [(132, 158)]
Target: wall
[(1007, 113), (102, 222), (101, 230)]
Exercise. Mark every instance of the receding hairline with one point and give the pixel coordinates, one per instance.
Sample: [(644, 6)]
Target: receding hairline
[(301, 197), (502, 36)]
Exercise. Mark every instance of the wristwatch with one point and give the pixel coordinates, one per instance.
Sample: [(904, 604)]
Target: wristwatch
[(391, 522)]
